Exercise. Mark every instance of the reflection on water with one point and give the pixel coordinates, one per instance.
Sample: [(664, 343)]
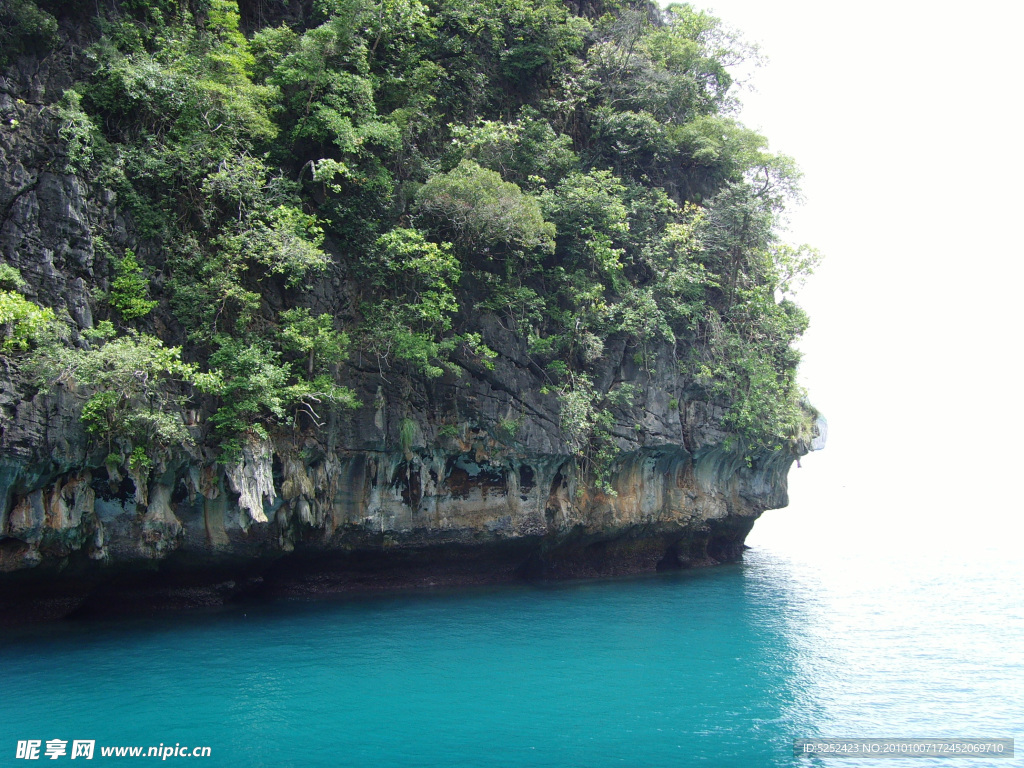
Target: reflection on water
[(925, 645), (721, 667)]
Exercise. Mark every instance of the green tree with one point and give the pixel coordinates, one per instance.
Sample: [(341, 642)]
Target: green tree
[(474, 207), (129, 291), (591, 217), (258, 391), (77, 130), (23, 323), (415, 300), (255, 234), (135, 383), (314, 337), (25, 27), (527, 152)]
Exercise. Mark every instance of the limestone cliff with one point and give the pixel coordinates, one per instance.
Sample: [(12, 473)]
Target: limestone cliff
[(457, 479)]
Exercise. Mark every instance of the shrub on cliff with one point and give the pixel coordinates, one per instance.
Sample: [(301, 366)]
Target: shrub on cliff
[(22, 323)]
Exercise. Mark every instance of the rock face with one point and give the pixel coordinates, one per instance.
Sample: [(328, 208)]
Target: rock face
[(485, 490), (348, 508)]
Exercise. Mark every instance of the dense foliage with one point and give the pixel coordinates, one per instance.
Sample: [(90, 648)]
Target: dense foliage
[(580, 176)]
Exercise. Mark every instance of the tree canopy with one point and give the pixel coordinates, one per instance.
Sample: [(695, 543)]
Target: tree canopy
[(582, 175)]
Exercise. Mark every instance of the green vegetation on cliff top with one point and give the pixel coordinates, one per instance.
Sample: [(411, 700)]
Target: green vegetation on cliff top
[(574, 169)]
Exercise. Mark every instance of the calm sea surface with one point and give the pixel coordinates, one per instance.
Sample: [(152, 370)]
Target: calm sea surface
[(719, 667)]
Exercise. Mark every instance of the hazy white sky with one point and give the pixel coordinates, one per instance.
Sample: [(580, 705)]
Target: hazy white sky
[(905, 118)]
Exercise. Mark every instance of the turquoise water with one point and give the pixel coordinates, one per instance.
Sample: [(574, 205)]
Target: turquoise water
[(720, 667)]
